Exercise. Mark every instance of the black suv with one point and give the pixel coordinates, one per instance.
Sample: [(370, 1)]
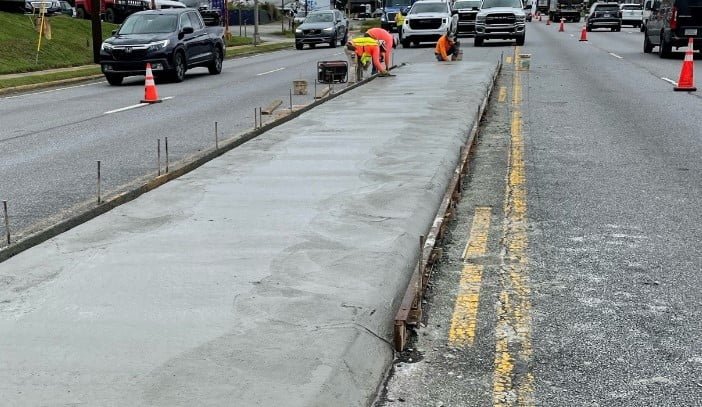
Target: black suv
[(467, 10), (604, 15), (671, 24)]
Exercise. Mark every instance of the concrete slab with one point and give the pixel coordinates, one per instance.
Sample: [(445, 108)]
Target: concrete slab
[(268, 277)]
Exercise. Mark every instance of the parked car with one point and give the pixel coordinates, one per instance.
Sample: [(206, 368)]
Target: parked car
[(50, 6), (388, 13), (171, 40), (632, 14), (646, 13), (322, 27), (467, 10), (210, 15), (428, 20), (500, 20), (671, 23), (67, 9), (604, 15)]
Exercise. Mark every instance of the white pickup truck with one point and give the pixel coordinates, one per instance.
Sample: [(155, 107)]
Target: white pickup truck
[(632, 14)]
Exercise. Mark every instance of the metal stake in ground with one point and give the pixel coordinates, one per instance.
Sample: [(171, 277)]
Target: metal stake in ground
[(290, 100), (166, 145), (158, 155), (98, 182), (255, 118), (216, 137), (7, 221)]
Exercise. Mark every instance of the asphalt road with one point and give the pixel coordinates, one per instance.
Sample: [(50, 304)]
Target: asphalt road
[(591, 297)]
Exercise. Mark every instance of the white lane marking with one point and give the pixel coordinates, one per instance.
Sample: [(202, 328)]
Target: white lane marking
[(52, 90), (122, 109), (572, 35), (615, 55), (670, 80), (266, 73)]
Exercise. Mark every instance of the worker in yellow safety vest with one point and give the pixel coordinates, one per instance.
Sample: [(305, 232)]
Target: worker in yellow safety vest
[(399, 20), (368, 50)]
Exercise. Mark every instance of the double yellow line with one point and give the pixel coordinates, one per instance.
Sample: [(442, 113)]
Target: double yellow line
[(511, 386)]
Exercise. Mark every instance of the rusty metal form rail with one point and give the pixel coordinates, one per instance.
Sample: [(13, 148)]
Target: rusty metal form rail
[(410, 313)]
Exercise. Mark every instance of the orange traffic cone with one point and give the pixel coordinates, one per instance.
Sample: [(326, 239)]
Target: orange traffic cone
[(687, 76), (561, 27), (150, 93), (583, 34)]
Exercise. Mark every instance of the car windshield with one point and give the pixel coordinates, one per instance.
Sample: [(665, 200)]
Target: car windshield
[(428, 8), (466, 4), (149, 24), (607, 7), (397, 3), (502, 3), (319, 18), (631, 7)]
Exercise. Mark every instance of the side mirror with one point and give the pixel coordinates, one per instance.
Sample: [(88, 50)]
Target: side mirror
[(188, 30), (114, 32)]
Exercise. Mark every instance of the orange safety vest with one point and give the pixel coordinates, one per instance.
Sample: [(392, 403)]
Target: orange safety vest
[(443, 46)]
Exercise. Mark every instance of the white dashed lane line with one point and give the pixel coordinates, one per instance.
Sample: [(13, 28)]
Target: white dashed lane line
[(670, 81), (266, 73), (615, 55), (122, 109)]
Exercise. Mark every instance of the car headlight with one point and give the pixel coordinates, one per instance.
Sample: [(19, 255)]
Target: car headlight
[(328, 30), (106, 46), (479, 19), (298, 31), (155, 46), (383, 18), (521, 18)]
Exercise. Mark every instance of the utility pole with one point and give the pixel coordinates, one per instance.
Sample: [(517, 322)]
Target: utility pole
[(96, 27), (256, 38)]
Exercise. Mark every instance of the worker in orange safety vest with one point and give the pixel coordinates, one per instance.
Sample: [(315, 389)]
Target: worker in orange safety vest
[(368, 50), (382, 35), (446, 46)]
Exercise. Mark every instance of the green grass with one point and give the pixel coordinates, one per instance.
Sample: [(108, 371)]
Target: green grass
[(71, 43)]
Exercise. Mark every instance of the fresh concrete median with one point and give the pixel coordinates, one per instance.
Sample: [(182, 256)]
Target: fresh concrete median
[(269, 276)]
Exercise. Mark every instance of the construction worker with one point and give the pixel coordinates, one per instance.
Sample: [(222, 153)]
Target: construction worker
[(446, 46), (399, 20), (382, 35), (364, 51)]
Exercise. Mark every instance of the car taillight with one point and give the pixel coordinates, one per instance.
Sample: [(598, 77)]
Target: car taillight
[(674, 18)]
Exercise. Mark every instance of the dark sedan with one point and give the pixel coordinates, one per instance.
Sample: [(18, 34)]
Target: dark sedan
[(322, 27)]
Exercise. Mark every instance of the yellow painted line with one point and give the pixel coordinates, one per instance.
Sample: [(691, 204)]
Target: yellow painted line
[(513, 330), (465, 311), (502, 96), (477, 241)]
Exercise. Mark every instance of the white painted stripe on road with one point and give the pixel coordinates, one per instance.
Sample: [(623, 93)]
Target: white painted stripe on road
[(670, 80), (266, 73), (615, 55), (53, 90), (122, 109)]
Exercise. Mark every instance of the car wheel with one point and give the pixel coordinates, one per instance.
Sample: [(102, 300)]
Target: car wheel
[(520, 40), (618, 29), (114, 79), (110, 15), (577, 19), (215, 67), (648, 47), (313, 45), (298, 45), (665, 48), (478, 41), (588, 28), (405, 44), (346, 38), (332, 43), (642, 28), (80, 13), (178, 73)]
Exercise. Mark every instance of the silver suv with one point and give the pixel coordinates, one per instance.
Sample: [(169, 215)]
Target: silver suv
[(428, 20), (500, 19)]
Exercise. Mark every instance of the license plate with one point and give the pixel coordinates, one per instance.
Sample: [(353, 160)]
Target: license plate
[(691, 31)]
